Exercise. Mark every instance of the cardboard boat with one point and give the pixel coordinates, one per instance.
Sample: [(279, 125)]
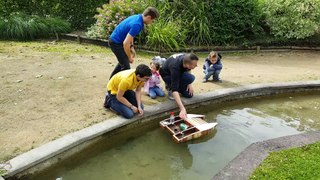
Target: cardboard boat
[(196, 127)]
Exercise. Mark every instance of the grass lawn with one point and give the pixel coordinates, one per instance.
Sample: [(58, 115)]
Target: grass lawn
[(297, 163)]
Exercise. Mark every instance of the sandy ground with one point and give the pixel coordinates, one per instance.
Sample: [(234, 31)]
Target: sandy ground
[(49, 89)]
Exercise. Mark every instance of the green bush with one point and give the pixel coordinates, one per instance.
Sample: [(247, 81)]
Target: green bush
[(111, 14), (79, 13), (24, 27), (214, 22), (164, 35), (295, 19)]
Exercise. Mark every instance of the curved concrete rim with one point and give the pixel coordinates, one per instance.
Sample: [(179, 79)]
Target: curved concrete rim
[(241, 167), (22, 163)]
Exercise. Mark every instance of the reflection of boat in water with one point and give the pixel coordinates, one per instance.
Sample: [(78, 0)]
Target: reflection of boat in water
[(191, 128)]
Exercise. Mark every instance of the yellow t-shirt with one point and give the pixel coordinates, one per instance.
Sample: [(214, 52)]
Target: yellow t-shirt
[(123, 80)]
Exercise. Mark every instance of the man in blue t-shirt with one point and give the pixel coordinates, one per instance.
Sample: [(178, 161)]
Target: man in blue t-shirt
[(121, 39)]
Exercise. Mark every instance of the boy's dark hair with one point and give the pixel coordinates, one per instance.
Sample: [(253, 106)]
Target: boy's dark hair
[(151, 11), (143, 70), (190, 57), (156, 64)]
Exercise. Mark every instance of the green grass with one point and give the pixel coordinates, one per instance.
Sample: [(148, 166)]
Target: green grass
[(2, 172), (297, 163)]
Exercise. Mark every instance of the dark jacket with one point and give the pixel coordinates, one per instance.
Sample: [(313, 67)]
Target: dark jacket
[(173, 67), (216, 66)]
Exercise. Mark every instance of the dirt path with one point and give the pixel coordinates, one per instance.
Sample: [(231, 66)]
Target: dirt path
[(50, 89)]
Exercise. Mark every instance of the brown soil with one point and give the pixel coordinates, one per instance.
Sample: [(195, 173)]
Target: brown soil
[(49, 89)]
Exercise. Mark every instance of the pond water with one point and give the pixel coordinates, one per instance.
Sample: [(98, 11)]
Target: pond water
[(154, 155)]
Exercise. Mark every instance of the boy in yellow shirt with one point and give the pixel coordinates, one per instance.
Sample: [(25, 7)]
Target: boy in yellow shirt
[(121, 96)]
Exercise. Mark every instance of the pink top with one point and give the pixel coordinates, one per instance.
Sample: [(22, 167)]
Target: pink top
[(153, 81)]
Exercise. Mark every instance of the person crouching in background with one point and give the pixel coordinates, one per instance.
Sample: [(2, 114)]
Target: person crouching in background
[(153, 87), (212, 67)]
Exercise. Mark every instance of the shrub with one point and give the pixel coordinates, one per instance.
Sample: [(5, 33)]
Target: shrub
[(164, 35), (296, 19), (214, 22), (110, 15), (234, 20), (24, 27), (79, 13)]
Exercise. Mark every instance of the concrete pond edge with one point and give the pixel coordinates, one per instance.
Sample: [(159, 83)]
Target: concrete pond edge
[(241, 167), (52, 152)]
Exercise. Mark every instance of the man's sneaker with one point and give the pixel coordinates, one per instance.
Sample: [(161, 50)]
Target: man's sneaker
[(106, 102), (204, 80), (170, 96)]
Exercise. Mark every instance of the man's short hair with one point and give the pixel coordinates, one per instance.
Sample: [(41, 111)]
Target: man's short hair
[(143, 70), (190, 57), (151, 11)]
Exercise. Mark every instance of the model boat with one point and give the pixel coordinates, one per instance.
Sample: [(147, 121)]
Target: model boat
[(191, 128)]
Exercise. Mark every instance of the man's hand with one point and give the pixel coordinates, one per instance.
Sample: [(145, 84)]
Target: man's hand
[(140, 110), (134, 109), (183, 114), (190, 89), (131, 60), (133, 52)]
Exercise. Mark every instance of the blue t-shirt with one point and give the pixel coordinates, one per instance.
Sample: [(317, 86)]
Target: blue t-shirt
[(132, 25)]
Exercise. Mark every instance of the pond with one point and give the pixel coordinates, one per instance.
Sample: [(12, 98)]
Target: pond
[(154, 155)]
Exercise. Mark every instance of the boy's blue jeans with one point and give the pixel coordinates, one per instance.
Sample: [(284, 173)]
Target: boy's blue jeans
[(185, 79), (155, 91), (120, 108), (212, 72)]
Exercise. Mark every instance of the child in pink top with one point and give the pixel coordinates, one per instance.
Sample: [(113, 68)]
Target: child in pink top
[(153, 87)]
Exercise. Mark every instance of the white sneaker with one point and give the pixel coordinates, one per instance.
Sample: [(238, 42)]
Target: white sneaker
[(204, 80)]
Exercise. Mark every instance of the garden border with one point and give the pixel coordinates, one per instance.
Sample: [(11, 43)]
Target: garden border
[(51, 153), (256, 49)]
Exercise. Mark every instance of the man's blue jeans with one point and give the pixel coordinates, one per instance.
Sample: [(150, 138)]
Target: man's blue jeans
[(185, 79), (155, 91), (120, 108), (212, 72)]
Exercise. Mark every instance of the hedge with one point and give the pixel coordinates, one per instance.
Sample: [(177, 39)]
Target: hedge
[(79, 13)]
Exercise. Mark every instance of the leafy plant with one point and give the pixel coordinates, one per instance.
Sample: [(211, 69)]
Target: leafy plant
[(24, 27), (296, 19), (111, 14), (166, 35), (214, 22), (79, 13)]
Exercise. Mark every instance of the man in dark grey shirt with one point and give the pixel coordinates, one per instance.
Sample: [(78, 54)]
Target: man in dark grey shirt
[(175, 72)]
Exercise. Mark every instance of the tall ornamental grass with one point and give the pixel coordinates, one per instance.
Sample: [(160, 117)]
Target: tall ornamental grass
[(166, 35), (20, 26)]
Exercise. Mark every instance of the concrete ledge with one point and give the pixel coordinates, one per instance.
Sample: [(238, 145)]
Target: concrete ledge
[(50, 153), (247, 161)]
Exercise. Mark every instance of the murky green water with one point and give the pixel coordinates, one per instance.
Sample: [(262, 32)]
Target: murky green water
[(155, 156)]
